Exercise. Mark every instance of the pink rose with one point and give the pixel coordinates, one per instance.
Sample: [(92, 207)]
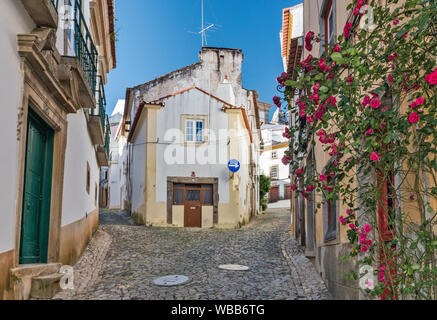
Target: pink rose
[(363, 249), (390, 78), (432, 77), (348, 212), (322, 177), (413, 104), (331, 100), (370, 131), (337, 48), (352, 226), (347, 30), (367, 228), (366, 101), (395, 22), (342, 220), (420, 101), (375, 103), (294, 187), (308, 38), (374, 157), (413, 118)]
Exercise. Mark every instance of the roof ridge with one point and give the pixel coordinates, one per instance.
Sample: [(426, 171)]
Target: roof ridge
[(168, 74)]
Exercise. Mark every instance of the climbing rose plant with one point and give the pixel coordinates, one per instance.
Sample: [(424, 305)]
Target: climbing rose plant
[(370, 101)]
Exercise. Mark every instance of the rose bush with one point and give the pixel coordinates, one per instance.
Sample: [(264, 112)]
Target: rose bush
[(370, 102)]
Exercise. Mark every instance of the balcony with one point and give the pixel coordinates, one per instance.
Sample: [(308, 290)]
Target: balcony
[(43, 12), (80, 57), (97, 117), (103, 150)]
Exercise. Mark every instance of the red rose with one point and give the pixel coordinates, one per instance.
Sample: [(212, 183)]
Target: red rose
[(413, 118)]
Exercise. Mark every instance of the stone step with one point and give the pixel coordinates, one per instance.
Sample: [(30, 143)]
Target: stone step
[(35, 269), (21, 277), (46, 286)]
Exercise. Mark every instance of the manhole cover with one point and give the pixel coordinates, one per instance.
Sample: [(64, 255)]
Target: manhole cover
[(173, 280), (233, 267)]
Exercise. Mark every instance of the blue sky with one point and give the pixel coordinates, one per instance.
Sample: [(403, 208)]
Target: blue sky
[(154, 38)]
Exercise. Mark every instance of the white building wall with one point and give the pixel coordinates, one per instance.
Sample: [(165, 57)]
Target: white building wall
[(192, 102), (138, 166), (13, 20), (76, 200)]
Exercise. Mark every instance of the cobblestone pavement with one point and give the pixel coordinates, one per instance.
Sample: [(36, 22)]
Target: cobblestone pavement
[(128, 257)]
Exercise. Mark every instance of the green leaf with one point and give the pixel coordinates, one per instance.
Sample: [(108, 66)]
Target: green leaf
[(337, 57), (323, 89)]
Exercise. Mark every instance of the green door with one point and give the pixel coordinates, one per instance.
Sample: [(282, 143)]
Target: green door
[(37, 191)]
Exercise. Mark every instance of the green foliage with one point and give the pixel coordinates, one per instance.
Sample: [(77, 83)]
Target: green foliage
[(264, 188), (388, 64)]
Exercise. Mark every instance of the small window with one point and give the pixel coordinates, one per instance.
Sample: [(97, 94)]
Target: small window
[(88, 177), (331, 211), (274, 155), (194, 131), (274, 173), (207, 195), (95, 194), (178, 194)]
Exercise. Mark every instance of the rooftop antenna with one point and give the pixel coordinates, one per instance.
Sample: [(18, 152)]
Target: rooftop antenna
[(211, 27)]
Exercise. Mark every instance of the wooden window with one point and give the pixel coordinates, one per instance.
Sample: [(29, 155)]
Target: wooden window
[(327, 24), (386, 210), (178, 194), (331, 212), (274, 155), (192, 193), (274, 172), (95, 194), (207, 194), (88, 177)]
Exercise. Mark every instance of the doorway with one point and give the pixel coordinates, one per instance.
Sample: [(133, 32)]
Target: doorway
[(193, 206), (37, 191)]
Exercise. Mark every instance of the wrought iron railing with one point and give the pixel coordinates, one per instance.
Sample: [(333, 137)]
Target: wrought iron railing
[(107, 135), (84, 47), (101, 101), (55, 4)]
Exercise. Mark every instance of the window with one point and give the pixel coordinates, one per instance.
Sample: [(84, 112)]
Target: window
[(274, 155), (327, 24), (194, 131), (193, 193), (178, 194), (88, 177), (386, 210), (330, 208), (207, 194), (95, 194), (274, 173)]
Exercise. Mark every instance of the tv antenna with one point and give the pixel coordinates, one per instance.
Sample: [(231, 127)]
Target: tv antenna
[(210, 27)]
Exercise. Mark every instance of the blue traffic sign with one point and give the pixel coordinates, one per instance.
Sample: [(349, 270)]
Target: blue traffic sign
[(233, 165)]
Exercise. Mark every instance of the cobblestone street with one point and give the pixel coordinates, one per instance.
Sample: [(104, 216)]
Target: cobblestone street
[(123, 259)]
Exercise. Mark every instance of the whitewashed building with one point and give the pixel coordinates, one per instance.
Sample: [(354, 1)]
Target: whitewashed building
[(182, 129), (117, 160), (54, 61), (275, 145)]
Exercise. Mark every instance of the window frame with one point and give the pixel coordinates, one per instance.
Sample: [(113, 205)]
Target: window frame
[(331, 211), (277, 172), (191, 122)]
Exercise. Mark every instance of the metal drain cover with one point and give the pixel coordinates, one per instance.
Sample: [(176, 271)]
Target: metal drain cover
[(233, 267), (172, 280)]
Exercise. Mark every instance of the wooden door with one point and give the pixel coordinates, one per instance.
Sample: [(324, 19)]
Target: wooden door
[(274, 194), (37, 192), (287, 192), (192, 206)]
